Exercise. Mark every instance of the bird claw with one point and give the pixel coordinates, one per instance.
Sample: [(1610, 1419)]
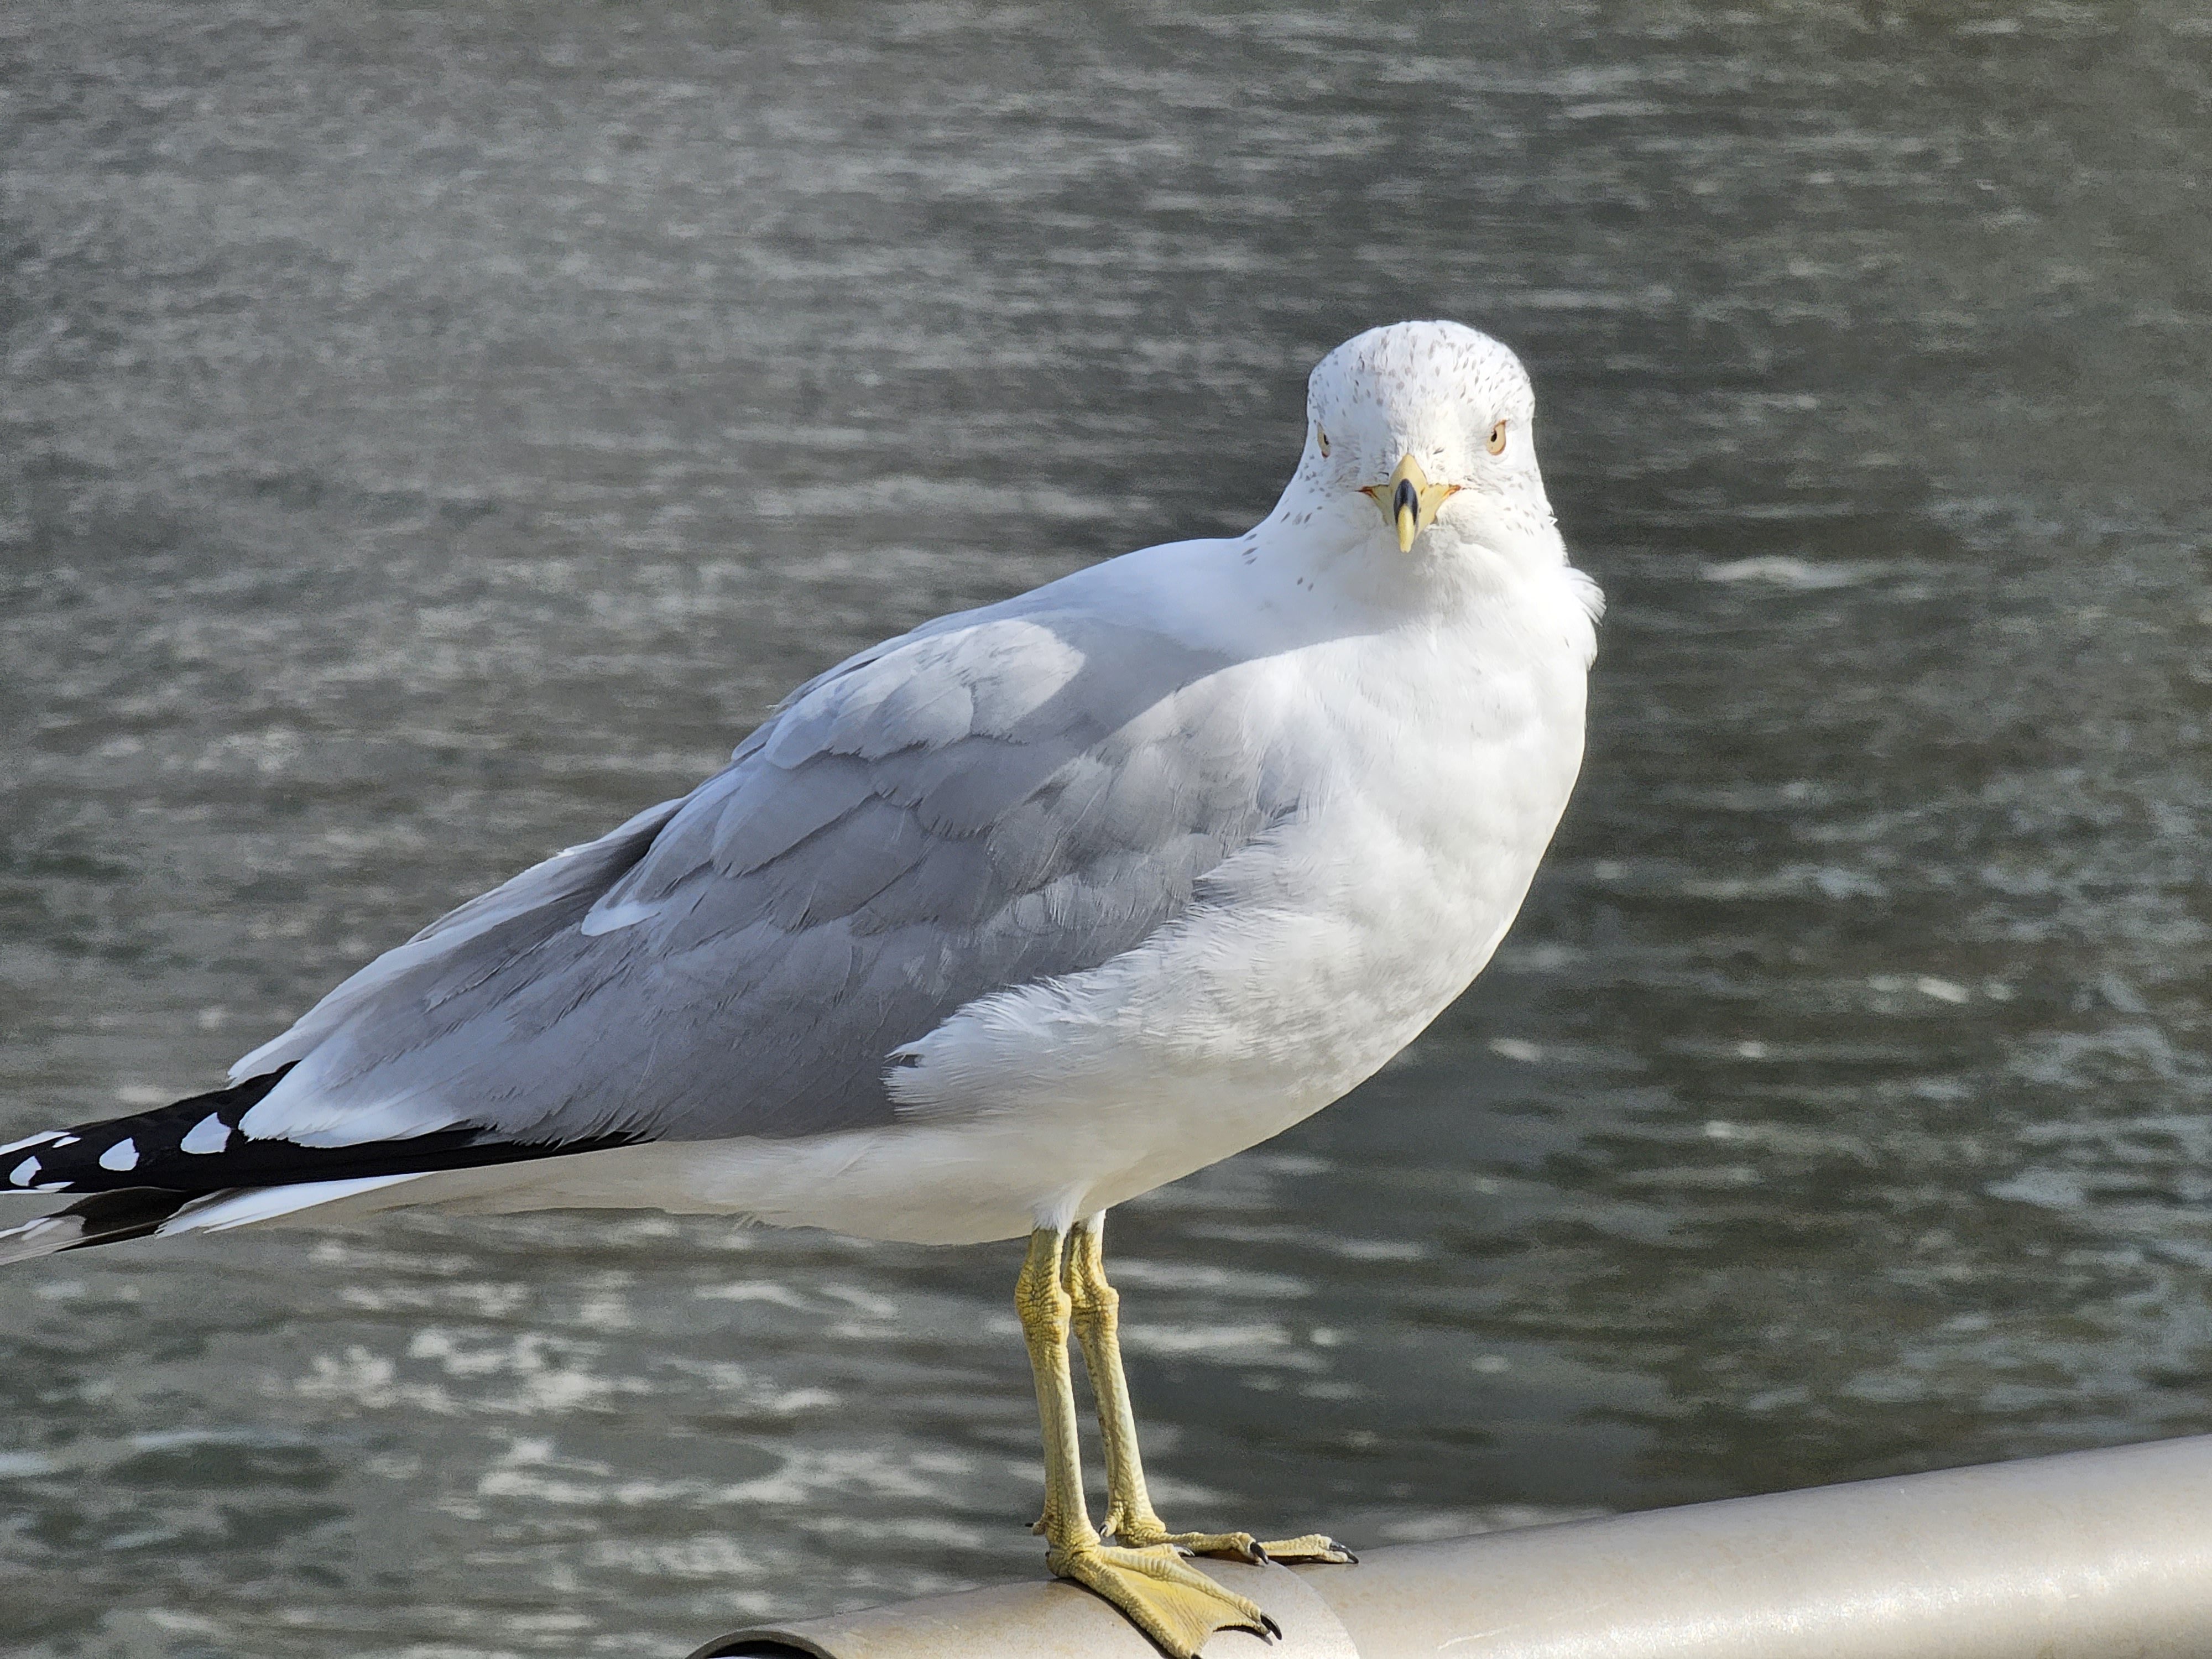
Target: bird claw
[(1313, 1547)]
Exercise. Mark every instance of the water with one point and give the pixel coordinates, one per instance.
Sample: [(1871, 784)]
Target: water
[(430, 434)]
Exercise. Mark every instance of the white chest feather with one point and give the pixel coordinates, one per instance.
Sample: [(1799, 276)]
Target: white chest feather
[(1438, 762)]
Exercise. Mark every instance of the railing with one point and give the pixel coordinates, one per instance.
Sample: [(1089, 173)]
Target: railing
[(2088, 1555)]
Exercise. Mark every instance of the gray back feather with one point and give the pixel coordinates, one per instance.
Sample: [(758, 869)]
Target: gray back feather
[(997, 799)]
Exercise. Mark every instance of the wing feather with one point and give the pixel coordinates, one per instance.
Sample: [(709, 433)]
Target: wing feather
[(1023, 794)]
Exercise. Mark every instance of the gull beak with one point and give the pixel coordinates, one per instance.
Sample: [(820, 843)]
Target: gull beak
[(1409, 502)]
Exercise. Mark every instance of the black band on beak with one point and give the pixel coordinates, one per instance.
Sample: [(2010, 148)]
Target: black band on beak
[(1405, 500)]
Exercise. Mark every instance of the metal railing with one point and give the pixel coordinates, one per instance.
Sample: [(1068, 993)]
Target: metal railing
[(2088, 1555)]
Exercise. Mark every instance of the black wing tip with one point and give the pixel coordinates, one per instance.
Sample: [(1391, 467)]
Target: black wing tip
[(142, 1151), (194, 1147)]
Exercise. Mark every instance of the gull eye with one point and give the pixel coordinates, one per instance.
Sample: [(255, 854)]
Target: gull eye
[(1321, 438), (1497, 444)]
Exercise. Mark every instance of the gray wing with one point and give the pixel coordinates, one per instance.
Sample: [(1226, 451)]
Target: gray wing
[(990, 801)]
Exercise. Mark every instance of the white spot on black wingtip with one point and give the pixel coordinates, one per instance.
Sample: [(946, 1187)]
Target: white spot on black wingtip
[(24, 1173), (210, 1134), (123, 1155), (28, 1142)]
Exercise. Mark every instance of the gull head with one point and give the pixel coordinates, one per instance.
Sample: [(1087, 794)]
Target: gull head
[(1418, 434)]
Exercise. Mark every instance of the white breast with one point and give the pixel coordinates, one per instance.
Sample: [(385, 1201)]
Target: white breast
[(1440, 759)]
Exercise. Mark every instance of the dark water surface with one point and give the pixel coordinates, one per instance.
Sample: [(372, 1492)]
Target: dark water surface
[(430, 434)]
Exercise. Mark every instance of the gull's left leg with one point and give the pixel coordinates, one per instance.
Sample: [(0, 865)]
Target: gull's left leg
[(1160, 1593), (1096, 1308)]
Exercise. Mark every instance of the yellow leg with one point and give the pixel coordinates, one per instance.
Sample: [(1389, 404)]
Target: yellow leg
[(1095, 1307), (1177, 1606)]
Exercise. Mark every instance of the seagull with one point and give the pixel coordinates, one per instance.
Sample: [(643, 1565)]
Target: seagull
[(988, 928)]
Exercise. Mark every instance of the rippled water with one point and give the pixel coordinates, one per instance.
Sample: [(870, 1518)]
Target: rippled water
[(431, 433)]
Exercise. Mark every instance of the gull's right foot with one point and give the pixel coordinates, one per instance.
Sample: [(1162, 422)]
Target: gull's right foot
[(1177, 1606), (1239, 1546)]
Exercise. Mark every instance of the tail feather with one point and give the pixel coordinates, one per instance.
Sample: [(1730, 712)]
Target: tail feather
[(141, 1211), (102, 1218)]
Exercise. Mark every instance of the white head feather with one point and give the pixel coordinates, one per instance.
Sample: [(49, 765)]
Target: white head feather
[(1442, 393)]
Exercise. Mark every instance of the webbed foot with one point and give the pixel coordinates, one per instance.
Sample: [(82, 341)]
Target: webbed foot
[(1177, 1606), (1313, 1547)]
